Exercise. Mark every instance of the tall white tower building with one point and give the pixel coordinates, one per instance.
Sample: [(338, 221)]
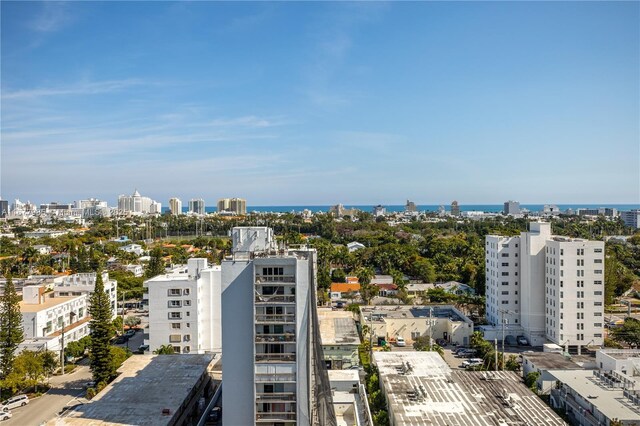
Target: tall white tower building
[(196, 205), (266, 296), (175, 205), (549, 287)]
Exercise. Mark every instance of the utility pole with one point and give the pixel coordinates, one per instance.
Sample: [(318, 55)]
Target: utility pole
[(495, 345), (503, 323), (430, 330)]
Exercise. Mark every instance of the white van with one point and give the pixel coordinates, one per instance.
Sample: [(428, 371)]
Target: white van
[(16, 401), (400, 341)]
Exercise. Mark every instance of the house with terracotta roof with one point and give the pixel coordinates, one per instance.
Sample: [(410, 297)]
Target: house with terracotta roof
[(341, 290)]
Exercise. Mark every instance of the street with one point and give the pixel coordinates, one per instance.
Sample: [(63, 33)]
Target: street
[(65, 391)]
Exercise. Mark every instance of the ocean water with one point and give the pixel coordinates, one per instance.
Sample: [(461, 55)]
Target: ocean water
[(488, 208)]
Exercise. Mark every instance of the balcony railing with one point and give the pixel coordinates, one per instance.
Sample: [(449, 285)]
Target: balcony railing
[(261, 416), (275, 298), (280, 377), (264, 357), (279, 318), (268, 338), (266, 279), (275, 396)]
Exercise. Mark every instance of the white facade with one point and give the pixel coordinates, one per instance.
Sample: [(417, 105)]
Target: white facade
[(85, 283), (265, 326), (44, 317), (553, 287), (184, 309), (196, 206), (136, 203), (252, 239), (133, 248), (175, 205)]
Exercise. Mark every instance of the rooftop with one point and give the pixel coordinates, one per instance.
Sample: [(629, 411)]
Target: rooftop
[(609, 401), (344, 287), (49, 302), (380, 312), (337, 327), (139, 394), (550, 361), (422, 389), (344, 375)]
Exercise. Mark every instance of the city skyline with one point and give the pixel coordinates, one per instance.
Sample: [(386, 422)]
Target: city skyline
[(315, 103)]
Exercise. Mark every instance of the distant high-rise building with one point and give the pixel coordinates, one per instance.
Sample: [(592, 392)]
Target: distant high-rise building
[(410, 207), (379, 210), (136, 203), (551, 286), (175, 206), (4, 208), (601, 211), (196, 205), (455, 209), (232, 205), (266, 326), (511, 208), (631, 218)]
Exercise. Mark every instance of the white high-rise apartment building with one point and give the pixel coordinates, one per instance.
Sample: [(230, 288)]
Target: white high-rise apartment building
[(184, 308), (550, 287), (175, 205), (196, 206), (266, 295), (136, 203)]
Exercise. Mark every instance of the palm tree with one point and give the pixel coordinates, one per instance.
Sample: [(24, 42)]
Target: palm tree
[(29, 256)]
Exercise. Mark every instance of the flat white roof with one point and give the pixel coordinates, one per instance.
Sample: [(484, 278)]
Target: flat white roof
[(609, 401), (49, 303), (422, 390)]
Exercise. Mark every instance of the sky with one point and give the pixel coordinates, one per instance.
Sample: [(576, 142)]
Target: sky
[(321, 102)]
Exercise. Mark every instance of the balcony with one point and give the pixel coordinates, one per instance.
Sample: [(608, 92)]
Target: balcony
[(268, 279), (278, 377), (276, 397), (275, 298), (276, 357), (275, 338), (274, 416), (276, 318)]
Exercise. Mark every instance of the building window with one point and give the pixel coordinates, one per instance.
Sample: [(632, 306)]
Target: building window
[(597, 250), (597, 303), (175, 325), (175, 338), (597, 282), (598, 272), (597, 260), (175, 315), (505, 302), (505, 293), (174, 292), (187, 337), (175, 303), (187, 303), (505, 282), (597, 324), (505, 274), (597, 293), (505, 254), (186, 291), (176, 349), (505, 263), (597, 335)]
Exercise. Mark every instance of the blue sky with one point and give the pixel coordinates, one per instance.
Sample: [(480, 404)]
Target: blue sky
[(320, 103)]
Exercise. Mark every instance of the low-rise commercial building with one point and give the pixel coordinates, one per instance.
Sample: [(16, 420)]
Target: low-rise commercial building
[(387, 322), (542, 363), (153, 390), (420, 389), (340, 339)]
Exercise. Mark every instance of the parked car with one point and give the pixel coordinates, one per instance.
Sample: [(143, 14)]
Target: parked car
[(400, 341), (214, 415), (130, 333), (441, 342), (467, 353), (142, 349), (510, 341), (88, 385), (14, 402), (472, 362), (522, 341), (5, 414), (460, 350)]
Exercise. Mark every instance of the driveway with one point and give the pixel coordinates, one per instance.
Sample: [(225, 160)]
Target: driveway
[(66, 390)]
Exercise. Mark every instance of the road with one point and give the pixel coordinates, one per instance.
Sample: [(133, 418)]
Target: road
[(65, 391)]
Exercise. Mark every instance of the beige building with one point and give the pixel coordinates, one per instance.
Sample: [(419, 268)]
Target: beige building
[(232, 205), (340, 338), (410, 322)]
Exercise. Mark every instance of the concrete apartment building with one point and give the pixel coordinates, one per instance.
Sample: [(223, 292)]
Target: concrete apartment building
[(184, 309), (85, 283), (45, 317), (549, 288), (266, 295), (631, 218), (137, 204), (196, 206), (175, 206), (511, 208), (232, 205)]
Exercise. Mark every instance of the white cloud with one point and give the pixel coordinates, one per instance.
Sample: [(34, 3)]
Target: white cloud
[(52, 17), (82, 88)]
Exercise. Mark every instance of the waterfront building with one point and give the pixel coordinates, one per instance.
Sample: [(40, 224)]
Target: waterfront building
[(631, 218), (455, 209), (232, 205), (379, 211), (175, 206), (511, 208), (137, 204), (410, 207), (196, 206), (4, 208)]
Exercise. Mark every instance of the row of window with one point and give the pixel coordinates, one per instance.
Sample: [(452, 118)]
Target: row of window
[(178, 303), (178, 315), (173, 292)]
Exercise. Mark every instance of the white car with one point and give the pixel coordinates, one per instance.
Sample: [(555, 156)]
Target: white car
[(473, 362), (5, 415), (14, 402), (400, 341)]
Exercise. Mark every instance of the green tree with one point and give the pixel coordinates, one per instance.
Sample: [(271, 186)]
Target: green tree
[(117, 324), (156, 263), (50, 361), (29, 365), (512, 363), (629, 332), (101, 332), (132, 321), (531, 380), (422, 344), (338, 276), (164, 350), (10, 327), (118, 356), (367, 290)]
